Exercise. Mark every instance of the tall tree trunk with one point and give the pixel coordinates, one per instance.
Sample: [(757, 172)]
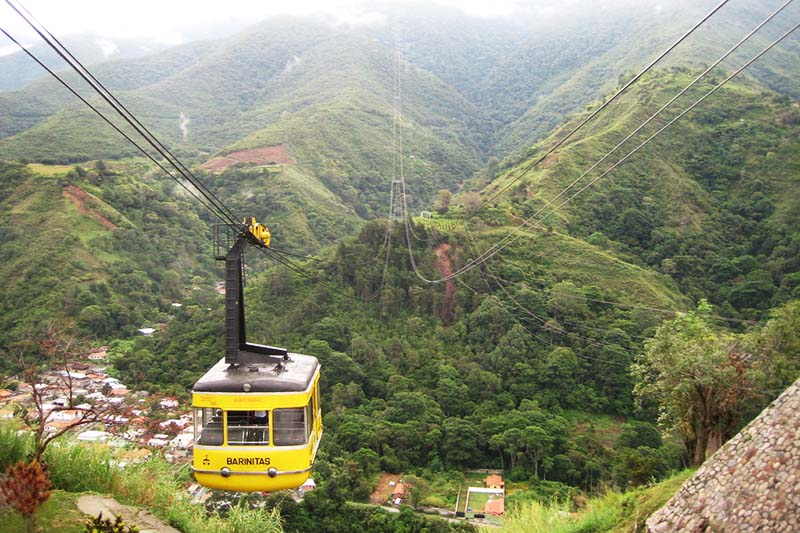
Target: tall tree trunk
[(701, 446), (715, 440)]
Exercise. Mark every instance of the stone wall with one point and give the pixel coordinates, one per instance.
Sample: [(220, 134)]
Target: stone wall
[(751, 484)]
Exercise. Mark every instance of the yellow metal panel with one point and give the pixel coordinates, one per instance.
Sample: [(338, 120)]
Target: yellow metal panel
[(246, 401), (248, 466)]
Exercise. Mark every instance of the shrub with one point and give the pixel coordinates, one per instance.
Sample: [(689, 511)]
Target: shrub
[(98, 524)]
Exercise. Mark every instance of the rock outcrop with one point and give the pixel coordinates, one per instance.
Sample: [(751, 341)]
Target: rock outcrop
[(751, 484)]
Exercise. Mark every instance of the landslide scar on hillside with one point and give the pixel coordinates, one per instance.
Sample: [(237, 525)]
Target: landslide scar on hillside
[(79, 197), (266, 155)]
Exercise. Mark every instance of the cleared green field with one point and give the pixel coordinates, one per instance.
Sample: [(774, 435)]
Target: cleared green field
[(49, 170), (439, 224), (477, 501)]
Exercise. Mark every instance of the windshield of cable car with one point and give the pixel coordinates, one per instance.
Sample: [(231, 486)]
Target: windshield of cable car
[(290, 426), (248, 427), (208, 426)]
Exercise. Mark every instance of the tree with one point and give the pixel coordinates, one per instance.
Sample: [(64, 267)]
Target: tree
[(417, 490), (471, 201), (636, 434), (26, 485), (567, 301), (442, 202), (171, 284), (460, 443), (700, 379), (536, 441), (94, 319), (492, 166), (780, 343)]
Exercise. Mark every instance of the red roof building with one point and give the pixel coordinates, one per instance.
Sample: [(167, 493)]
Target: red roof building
[(494, 481), (495, 507), (399, 491)]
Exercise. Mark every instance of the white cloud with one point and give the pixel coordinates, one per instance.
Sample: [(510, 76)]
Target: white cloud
[(169, 21), (107, 46), (184, 125), (482, 8)]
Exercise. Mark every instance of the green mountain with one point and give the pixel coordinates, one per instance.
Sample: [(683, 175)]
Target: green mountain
[(274, 85), (100, 249), (522, 363), (709, 202), (17, 70)]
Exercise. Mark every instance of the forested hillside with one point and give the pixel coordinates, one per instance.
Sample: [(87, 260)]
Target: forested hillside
[(97, 248), (17, 70), (710, 203)]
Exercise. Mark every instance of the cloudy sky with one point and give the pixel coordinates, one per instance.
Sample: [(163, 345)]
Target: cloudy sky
[(170, 21)]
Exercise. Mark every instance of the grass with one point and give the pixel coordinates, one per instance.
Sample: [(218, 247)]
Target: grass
[(444, 487), (59, 513), (49, 170), (77, 468), (560, 256), (612, 512), (442, 225), (477, 501), (605, 428)]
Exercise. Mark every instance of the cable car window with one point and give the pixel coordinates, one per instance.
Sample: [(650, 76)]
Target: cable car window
[(208, 426), (248, 428), (310, 416), (289, 426)]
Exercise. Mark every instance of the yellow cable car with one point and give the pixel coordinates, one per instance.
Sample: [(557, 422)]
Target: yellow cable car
[(257, 416)]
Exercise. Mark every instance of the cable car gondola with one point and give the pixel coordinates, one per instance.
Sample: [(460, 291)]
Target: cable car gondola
[(257, 416)]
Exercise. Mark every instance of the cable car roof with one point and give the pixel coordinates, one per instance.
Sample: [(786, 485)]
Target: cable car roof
[(295, 376)]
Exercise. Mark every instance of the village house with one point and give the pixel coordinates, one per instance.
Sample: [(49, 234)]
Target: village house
[(495, 507), (174, 424), (494, 481), (308, 486), (159, 441), (68, 415), (98, 354), (75, 376), (94, 435), (168, 403), (399, 493), (182, 441), (57, 425)]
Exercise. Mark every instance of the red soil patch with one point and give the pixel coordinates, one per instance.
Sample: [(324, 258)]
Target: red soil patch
[(444, 266), (382, 492), (267, 155), (79, 197)]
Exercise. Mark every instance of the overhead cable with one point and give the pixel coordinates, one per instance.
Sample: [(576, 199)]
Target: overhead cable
[(221, 211), (109, 122), (514, 235), (608, 102)]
